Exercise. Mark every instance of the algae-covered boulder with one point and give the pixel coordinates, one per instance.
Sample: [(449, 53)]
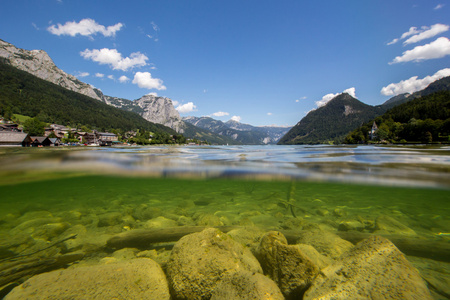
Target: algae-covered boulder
[(326, 243), (388, 225), (285, 264), (140, 278), (373, 269), (246, 285), (199, 261)]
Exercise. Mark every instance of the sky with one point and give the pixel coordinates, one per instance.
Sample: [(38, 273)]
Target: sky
[(260, 62)]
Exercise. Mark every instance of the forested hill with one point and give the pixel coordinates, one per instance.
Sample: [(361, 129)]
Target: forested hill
[(425, 120), (26, 94), (332, 122)]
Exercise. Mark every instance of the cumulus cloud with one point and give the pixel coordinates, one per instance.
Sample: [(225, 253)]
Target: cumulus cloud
[(82, 74), (99, 75), (153, 94), (269, 113), (428, 33), (111, 77), (417, 35), (411, 31), (236, 118), (220, 114), (86, 27), (123, 79), (437, 49), (114, 58), (413, 84), (186, 108), (325, 99), (145, 80), (302, 98)]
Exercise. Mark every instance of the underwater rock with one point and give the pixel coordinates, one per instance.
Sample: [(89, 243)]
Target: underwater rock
[(249, 236), (285, 264), (199, 261), (139, 278), (143, 212), (246, 285), (435, 273), (387, 225), (321, 261), (326, 243), (293, 223), (125, 253), (185, 221), (29, 226), (109, 219), (322, 212), (209, 220), (160, 222), (339, 212), (373, 269), (351, 225)]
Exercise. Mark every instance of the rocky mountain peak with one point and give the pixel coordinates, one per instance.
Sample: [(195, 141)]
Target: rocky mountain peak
[(39, 63), (160, 110)]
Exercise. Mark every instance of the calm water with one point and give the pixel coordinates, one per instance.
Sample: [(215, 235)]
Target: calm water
[(99, 192)]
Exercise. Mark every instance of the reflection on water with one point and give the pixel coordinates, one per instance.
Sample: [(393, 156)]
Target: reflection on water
[(48, 195)]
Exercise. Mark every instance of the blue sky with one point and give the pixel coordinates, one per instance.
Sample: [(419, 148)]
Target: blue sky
[(261, 62)]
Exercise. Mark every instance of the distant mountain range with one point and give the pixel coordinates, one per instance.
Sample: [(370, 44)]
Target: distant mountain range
[(343, 114), (159, 110), (243, 133)]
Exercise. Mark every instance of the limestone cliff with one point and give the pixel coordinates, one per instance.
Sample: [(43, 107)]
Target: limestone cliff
[(38, 63)]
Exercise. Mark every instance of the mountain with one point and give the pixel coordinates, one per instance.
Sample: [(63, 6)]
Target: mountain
[(152, 108), (159, 110), (442, 84), (38, 63), (424, 119), (243, 133), (332, 121), (26, 94)]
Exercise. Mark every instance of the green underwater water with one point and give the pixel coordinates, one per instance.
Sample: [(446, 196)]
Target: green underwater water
[(267, 204)]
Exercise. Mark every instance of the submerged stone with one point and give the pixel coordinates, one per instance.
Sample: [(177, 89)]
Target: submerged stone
[(140, 278), (246, 285), (373, 269), (199, 261), (285, 264)]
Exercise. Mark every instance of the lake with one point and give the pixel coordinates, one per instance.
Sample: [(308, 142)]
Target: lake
[(49, 194)]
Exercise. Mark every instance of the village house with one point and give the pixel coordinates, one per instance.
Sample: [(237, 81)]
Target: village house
[(40, 141), (14, 138), (100, 138)]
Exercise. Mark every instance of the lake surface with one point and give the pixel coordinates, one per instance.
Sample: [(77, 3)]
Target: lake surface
[(48, 194)]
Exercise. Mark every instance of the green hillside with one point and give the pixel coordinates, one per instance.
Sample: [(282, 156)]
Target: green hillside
[(425, 120), (25, 94), (332, 122)]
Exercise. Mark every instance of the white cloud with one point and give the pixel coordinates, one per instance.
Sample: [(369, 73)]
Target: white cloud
[(302, 98), (111, 77), (86, 27), (428, 33), (269, 113), (411, 31), (417, 35), (175, 102), (413, 84), (153, 94), (220, 114), (437, 49), (82, 74), (123, 79), (325, 99), (439, 6), (154, 26), (186, 108), (145, 80), (99, 75), (236, 118), (114, 58)]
